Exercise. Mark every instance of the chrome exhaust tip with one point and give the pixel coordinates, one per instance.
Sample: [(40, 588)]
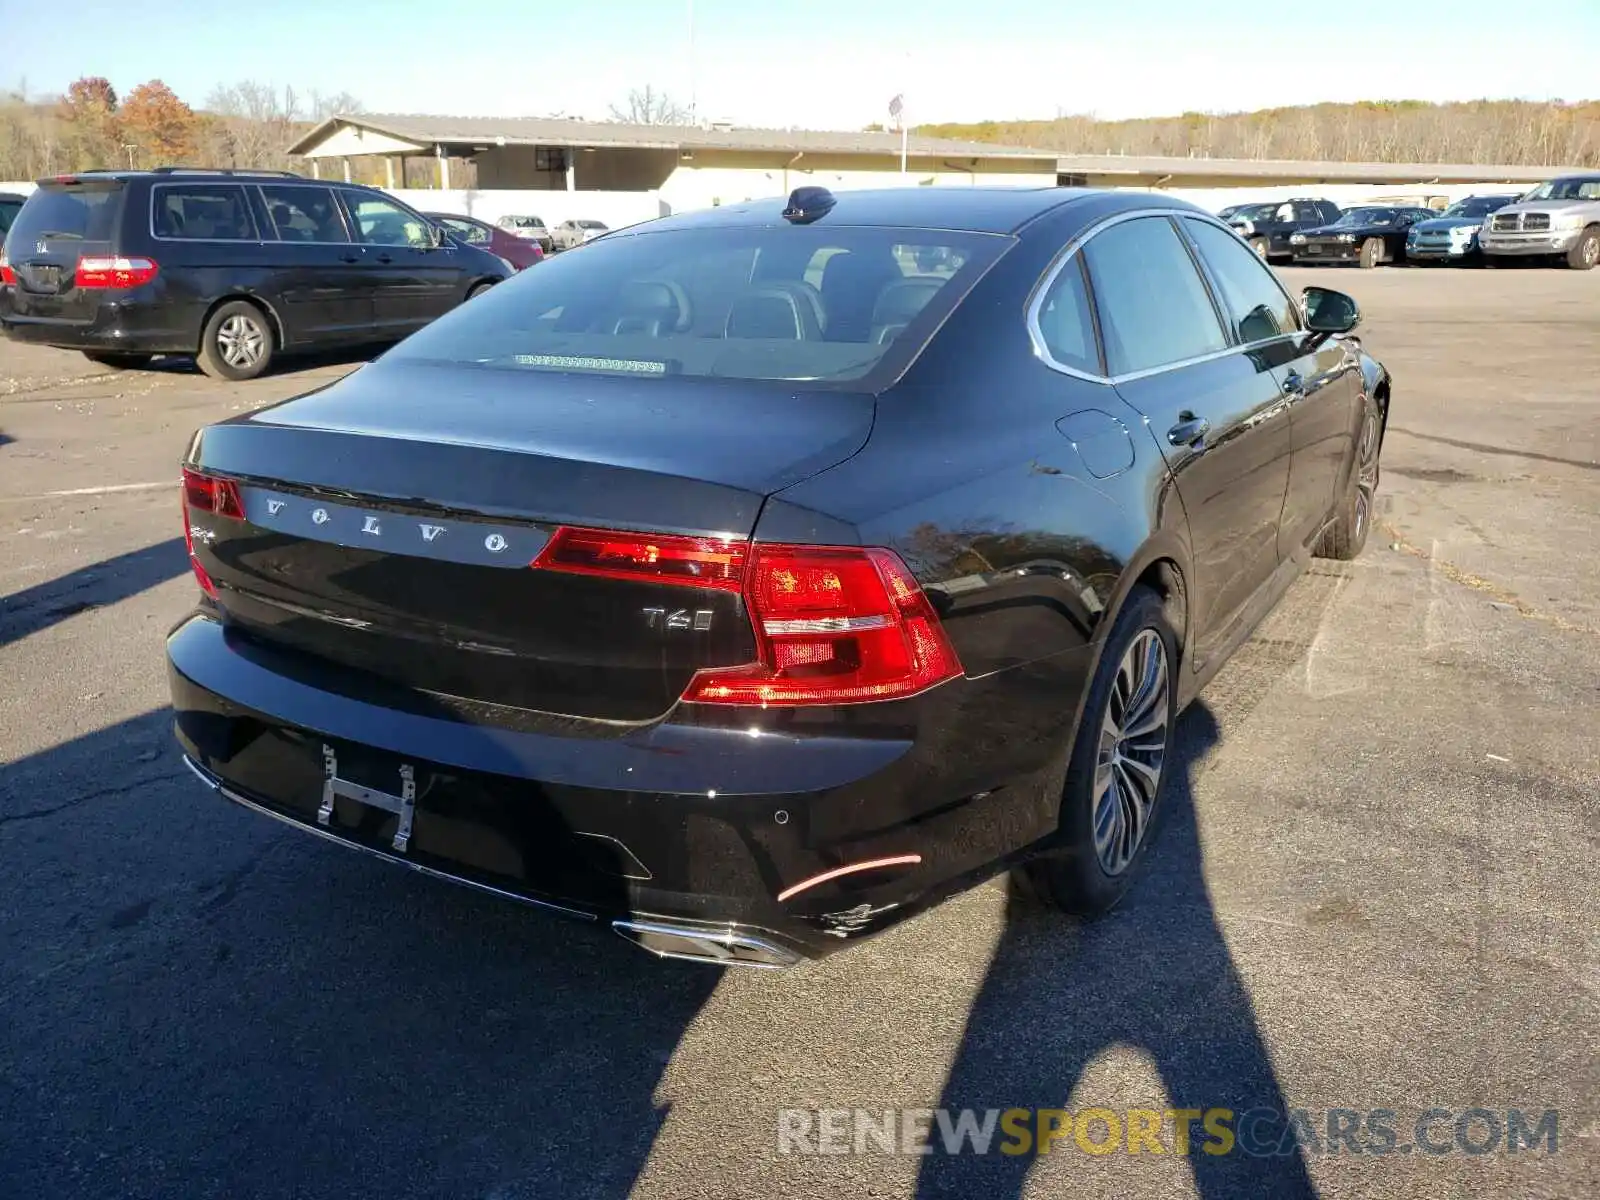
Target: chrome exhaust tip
[(719, 947)]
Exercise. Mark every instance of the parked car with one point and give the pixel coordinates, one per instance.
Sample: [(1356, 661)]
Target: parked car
[(233, 267), (1558, 220), (531, 228), (1368, 235), (575, 232), (750, 616), (1268, 227), (1452, 236), (521, 253), (10, 205)]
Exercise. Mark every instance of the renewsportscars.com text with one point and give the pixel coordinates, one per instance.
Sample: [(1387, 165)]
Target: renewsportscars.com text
[(1216, 1131)]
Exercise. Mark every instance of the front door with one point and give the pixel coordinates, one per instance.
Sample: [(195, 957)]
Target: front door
[(1319, 379), (1216, 411), (414, 281)]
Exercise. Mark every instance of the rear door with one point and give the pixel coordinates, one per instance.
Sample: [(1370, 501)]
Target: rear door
[(207, 238), (1216, 411), (326, 297), (413, 280), (62, 222), (1318, 378)]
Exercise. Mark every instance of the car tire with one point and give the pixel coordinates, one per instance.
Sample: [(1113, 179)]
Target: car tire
[(1585, 252), (1103, 800), (478, 289), (1347, 536), (237, 343), (118, 360), (1371, 253)]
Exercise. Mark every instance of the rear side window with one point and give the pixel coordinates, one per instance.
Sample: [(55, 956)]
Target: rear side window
[(729, 303), (8, 213), (69, 213), (1257, 307), (1065, 323), (202, 212), (1154, 309), (304, 214)]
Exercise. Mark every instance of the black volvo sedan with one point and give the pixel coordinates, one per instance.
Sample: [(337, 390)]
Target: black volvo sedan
[(761, 576)]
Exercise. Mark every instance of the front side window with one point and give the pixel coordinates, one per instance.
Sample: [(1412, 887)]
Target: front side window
[(1257, 307), (382, 223), (202, 212), (1065, 323), (1154, 309), (728, 303), (304, 214)]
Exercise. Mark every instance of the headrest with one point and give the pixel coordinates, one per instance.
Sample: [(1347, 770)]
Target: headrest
[(902, 300)]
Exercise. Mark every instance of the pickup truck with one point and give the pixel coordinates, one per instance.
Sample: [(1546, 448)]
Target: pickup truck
[(1558, 220)]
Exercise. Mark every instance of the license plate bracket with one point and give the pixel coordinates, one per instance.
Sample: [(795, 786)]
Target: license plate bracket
[(403, 805)]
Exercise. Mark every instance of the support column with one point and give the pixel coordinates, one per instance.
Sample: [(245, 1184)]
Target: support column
[(316, 168), (388, 169), (444, 166), (572, 170), (346, 163)]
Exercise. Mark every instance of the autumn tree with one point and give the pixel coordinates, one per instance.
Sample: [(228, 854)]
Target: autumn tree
[(162, 126), (89, 119)]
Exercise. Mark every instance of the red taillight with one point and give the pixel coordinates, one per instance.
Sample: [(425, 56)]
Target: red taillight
[(103, 272), (208, 494), (833, 626), (656, 558), (8, 277)]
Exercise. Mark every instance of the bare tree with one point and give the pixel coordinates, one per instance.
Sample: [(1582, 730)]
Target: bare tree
[(650, 107)]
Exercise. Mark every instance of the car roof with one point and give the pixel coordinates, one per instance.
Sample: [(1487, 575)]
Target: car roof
[(1001, 210)]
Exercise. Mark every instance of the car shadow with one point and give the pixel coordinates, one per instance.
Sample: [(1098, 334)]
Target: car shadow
[(97, 585), (1154, 976), (286, 364), (203, 997)]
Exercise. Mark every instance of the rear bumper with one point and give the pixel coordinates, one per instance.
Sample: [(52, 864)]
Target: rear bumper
[(682, 826), (124, 325)]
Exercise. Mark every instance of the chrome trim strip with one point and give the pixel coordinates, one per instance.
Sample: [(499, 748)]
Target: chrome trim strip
[(226, 793), (1042, 289), (777, 956)]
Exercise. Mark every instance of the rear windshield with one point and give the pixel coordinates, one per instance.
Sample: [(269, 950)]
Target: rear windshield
[(57, 212), (801, 304)]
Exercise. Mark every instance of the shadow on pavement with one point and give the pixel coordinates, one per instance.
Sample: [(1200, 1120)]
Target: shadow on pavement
[(1154, 976), (96, 586), (201, 1002), (287, 364)]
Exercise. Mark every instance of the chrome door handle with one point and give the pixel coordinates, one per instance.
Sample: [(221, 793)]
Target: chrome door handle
[(1189, 431)]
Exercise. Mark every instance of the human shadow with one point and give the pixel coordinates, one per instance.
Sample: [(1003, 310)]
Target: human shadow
[(97, 585), (1155, 976), (215, 1005)]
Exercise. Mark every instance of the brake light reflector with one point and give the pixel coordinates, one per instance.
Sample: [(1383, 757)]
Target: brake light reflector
[(95, 271), (646, 557), (833, 625), (8, 277), (207, 494)]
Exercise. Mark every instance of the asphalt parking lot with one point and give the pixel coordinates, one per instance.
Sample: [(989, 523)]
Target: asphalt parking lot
[(1376, 888)]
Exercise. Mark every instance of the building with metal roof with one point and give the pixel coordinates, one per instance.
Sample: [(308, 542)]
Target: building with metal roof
[(702, 166)]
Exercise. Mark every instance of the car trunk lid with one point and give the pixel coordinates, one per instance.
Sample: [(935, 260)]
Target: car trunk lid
[(389, 522)]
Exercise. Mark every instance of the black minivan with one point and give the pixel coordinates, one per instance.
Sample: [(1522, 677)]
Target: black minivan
[(233, 267)]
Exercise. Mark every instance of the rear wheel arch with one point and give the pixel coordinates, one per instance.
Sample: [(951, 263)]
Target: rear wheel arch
[(254, 301)]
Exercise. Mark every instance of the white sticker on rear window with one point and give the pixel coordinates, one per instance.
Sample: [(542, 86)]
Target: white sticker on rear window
[(567, 362)]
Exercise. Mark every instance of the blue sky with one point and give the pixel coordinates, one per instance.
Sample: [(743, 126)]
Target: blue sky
[(816, 63)]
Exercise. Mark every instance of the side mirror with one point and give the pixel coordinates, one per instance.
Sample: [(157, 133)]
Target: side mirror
[(1328, 311)]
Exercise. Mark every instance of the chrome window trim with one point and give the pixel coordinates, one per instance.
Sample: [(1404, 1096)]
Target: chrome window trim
[(1042, 288), (255, 240)]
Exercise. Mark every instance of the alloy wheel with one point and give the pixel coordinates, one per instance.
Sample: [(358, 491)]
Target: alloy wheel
[(1133, 747), (1366, 475), (1591, 250), (241, 341)]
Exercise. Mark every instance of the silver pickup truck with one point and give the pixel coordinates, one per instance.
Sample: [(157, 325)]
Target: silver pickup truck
[(1557, 218)]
